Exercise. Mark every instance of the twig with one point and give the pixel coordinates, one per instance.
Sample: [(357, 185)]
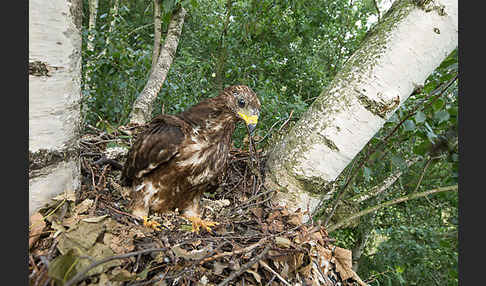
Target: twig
[(269, 131), (239, 251), (389, 203), (286, 121), (422, 176), (116, 165), (82, 275), (410, 114), (377, 9), (245, 267), (262, 263), (139, 28), (121, 212)]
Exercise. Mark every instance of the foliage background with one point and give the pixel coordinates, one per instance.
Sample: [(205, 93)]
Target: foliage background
[(288, 52)]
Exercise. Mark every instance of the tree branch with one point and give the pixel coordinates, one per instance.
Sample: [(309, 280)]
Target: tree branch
[(81, 275), (157, 34), (389, 203), (142, 107)]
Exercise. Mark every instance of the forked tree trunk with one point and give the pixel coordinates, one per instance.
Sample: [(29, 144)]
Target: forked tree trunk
[(408, 43), (142, 107), (54, 94)]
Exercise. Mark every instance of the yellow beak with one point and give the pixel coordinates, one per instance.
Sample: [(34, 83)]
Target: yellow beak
[(250, 120)]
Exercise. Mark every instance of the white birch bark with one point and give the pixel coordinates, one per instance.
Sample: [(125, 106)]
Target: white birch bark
[(405, 47), (142, 107), (54, 113), (93, 13), (157, 34)]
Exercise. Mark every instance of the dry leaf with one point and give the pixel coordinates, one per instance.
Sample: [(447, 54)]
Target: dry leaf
[(343, 261), (296, 219), (82, 207), (258, 212), (257, 276), (67, 195), (195, 254), (283, 241), (37, 225), (59, 228), (94, 219), (218, 267)]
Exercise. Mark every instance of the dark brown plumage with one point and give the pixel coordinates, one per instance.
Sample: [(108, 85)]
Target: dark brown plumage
[(180, 156)]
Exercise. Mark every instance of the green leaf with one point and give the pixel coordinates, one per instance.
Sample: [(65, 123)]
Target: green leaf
[(422, 148), (438, 104), (367, 173), (408, 125), (399, 162), (442, 116), (62, 267), (420, 117)]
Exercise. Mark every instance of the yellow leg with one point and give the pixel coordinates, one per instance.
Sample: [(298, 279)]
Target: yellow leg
[(197, 223), (151, 224)]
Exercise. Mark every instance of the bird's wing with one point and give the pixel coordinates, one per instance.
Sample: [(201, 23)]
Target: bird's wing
[(157, 145)]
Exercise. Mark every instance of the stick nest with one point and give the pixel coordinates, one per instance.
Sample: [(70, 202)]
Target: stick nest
[(90, 238)]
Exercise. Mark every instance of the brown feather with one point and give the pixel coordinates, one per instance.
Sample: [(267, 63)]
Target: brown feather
[(180, 156)]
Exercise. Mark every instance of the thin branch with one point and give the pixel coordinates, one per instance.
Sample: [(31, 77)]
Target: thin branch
[(378, 189), (239, 251), (389, 203), (382, 142), (262, 263), (245, 267), (377, 9), (82, 275), (222, 48), (422, 175)]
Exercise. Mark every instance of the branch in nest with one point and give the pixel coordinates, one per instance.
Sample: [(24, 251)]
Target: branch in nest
[(246, 266)]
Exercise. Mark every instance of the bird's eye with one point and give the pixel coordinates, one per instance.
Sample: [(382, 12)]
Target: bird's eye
[(241, 102)]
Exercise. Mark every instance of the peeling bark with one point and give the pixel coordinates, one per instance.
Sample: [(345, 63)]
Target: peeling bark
[(395, 57), (142, 107), (54, 95)]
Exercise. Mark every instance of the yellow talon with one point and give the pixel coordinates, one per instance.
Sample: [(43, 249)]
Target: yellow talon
[(197, 223), (151, 224)]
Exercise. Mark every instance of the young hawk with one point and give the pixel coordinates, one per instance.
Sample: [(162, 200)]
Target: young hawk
[(180, 156)]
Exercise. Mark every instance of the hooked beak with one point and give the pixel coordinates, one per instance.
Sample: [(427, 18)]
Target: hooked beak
[(250, 120)]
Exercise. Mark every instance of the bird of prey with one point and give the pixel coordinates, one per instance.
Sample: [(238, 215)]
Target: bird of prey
[(178, 157)]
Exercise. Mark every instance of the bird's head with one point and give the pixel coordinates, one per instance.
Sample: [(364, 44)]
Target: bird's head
[(244, 103)]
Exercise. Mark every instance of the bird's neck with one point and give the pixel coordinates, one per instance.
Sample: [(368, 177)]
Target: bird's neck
[(210, 115)]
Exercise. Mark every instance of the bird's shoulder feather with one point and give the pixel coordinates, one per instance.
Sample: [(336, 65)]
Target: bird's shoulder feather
[(158, 144)]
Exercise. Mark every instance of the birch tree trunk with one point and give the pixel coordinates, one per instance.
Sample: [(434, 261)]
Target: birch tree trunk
[(142, 107), (408, 43), (54, 94), (157, 34), (93, 13)]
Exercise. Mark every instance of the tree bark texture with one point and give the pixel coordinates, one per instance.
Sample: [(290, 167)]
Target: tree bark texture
[(398, 55), (157, 34), (142, 107), (54, 95), (93, 13)]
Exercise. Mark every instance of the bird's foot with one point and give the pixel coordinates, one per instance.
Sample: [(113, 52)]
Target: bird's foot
[(151, 223), (197, 223)]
